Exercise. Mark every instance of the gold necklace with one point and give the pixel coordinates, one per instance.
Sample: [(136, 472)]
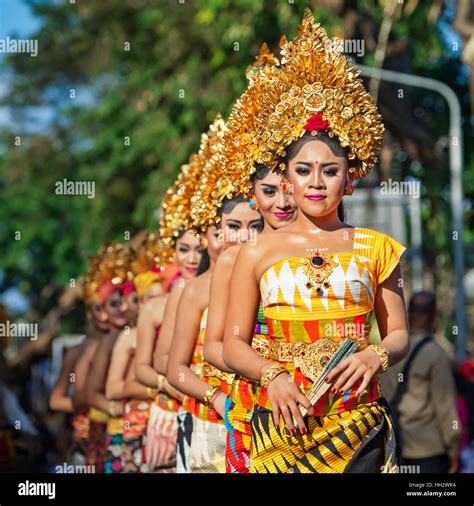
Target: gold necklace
[(317, 267)]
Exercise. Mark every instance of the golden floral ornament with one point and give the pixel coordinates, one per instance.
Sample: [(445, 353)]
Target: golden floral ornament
[(315, 77), (175, 212), (213, 185), (112, 264), (240, 144), (145, 260)]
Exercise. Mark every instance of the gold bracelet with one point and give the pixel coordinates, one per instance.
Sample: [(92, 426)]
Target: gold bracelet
[(160, 382), (210, 395), (150, 393), (271, 373), (112, 407), (383, 355)]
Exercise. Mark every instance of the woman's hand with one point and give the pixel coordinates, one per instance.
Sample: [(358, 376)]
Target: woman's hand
[(362, 364), (284, 397), (219, 404)]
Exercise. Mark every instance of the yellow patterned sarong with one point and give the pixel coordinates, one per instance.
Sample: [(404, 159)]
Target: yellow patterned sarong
[(361, 440)]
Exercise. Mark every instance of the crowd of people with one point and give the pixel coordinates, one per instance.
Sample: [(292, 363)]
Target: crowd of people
[(237, 338)]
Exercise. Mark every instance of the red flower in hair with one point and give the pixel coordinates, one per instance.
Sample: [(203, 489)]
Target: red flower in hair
[(316, 123)]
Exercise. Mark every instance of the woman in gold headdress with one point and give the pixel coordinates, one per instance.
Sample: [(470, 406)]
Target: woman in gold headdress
[(277, 209), (179, 243), (144, 284), (205, 387), (107, 415), (76, 364), (320, 279)]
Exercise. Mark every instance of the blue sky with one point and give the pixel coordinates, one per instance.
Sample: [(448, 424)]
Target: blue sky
[(15, 17)]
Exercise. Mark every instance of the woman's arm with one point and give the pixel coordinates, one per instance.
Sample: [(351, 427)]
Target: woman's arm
[(81, 376), (133, 389), (59, 399), (146, 338), (120, 361), (188, 318), (393, 326), (218, 300), (98, 376), (163, 344), (242, 311)]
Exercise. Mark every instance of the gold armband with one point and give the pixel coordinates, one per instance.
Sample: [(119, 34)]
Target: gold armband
[(150, 392), (382, 354), (271, 373), (210, 396), (112, 408)]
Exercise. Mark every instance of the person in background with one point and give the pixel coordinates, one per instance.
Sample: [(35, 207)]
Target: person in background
[(422, 393)]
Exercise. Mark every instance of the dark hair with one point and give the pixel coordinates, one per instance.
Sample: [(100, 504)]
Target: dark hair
[(260, 173), (229, 204), (423, 302), (204, 263), (333, 144)]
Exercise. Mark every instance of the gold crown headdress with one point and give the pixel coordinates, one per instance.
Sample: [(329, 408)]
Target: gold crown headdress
[(114, 266), (90, 285), (214, 184), (315, 80), (146, 258), (239, 145), (110, 265), (176, 208)]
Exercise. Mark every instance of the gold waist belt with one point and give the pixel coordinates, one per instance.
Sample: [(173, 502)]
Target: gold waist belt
[(211, 371), (98, 416), (311, 359)]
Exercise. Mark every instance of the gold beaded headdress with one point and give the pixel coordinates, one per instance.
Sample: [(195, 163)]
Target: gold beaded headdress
[(314, 84), (109, 268), (239, 145), (145, 261), (214, 184), (90, 285), (175, 215)]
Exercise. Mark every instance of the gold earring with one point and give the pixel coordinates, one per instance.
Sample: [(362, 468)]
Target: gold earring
[(204, 242), (348, 188), (253, 204)]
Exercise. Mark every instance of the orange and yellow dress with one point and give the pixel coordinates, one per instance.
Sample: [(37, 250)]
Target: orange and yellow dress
[(346, 434), (206, 451)]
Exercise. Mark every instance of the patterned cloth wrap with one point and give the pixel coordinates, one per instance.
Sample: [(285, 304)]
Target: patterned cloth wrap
[(239, 409), (185, 430), (207, 450), (135, 423), (80, 437), (114, 455), (95, 451), (346, 434), (207, 445), (161, 440)]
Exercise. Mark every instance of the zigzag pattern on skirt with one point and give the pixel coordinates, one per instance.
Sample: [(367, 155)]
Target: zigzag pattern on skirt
[(362, 440)]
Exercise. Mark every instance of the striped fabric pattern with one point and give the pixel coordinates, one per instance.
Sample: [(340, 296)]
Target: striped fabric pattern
[(190, 404), (360, 440)]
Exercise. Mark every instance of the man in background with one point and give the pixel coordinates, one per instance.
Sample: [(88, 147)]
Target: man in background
[(422, 394)]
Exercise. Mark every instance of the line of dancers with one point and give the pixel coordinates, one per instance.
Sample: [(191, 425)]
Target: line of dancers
[(236, 339)]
